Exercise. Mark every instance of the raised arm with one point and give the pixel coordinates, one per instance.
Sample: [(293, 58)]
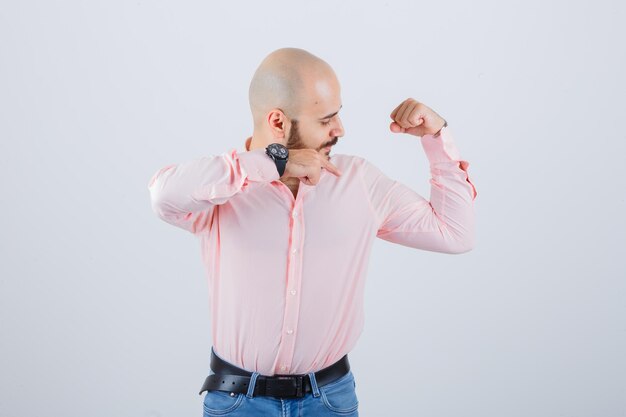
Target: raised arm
[(443, 224), (186, 194)]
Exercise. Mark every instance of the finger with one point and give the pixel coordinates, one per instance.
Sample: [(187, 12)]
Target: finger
[(400, 111), (308, 180), (314, 178), (393, 113), (402, 116), (415, 118), (396, 128), (330, 167)]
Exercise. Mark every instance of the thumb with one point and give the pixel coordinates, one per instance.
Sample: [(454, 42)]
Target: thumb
[(396, 128)]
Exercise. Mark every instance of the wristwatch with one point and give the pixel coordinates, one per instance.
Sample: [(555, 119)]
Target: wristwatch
[(279, 154)]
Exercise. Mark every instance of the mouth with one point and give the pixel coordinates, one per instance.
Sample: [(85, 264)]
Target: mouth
[(326, 149)]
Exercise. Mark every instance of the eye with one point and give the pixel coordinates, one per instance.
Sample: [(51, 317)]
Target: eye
[(326, 123)]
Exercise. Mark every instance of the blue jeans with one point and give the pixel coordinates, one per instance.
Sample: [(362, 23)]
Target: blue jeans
[(337, 398)]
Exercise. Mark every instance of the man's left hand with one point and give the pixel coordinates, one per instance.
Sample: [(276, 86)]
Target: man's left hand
[(415, 118)]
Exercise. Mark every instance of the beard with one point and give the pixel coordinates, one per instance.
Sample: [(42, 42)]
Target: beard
[(294, 141)]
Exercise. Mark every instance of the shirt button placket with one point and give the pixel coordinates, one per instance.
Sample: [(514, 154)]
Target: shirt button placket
[(292, 303)]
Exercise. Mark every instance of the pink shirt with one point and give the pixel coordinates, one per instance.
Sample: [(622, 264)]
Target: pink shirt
[(286, 276)]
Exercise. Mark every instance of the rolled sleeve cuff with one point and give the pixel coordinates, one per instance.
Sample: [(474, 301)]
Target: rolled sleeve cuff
[(257, 166), (441, 148)]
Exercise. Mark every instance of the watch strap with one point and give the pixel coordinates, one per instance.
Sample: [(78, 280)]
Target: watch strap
[(281, 164)]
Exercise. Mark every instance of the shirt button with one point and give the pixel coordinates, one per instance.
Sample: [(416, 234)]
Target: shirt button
[(282, 368), (293, 292), (294, 250), (295, 214), (289, 331)]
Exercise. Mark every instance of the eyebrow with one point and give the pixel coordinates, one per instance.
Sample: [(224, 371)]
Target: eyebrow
[(332, 114)]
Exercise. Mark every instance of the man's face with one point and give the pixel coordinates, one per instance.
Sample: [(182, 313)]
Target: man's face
[(319, 125)]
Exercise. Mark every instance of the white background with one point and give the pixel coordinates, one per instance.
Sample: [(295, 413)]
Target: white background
[(104, 307)]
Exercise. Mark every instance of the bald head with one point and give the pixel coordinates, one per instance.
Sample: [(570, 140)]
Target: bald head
[(284, 80)]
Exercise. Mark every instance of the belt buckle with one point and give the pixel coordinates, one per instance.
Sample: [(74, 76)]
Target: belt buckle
[(290, 383)]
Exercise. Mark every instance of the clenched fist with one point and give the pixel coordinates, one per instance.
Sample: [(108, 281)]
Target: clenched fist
[(415, 118), (306, 164)]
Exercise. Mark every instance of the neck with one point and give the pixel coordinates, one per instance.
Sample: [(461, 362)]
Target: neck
[(258, 141)]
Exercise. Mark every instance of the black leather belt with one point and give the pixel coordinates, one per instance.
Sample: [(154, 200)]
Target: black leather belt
[(231, 378)]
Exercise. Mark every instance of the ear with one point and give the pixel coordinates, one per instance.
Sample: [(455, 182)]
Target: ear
[(277, 122)]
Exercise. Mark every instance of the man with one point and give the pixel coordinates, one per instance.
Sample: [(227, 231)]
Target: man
[(286, 230)]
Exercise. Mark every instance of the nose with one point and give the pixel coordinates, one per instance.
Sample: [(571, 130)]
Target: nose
[(338, 130)]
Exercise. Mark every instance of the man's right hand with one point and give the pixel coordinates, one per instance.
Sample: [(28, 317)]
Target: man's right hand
[(306, 164)]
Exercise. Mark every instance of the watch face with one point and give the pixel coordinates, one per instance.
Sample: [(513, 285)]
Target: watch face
[(277, 150)]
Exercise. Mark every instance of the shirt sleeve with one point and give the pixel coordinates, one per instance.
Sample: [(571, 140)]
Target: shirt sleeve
[(185, 194), (443, 224)]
